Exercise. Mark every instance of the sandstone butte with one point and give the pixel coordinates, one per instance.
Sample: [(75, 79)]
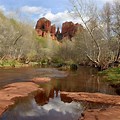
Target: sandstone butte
[(110, 113), (69, 29), (12, 92)]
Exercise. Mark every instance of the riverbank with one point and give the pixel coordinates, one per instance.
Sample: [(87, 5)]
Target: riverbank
[(12, 92), (112, 75), (110, 105), (6, 64), (79, 80), (65, 66)]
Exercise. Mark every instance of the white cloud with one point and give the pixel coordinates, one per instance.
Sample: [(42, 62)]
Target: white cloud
[(61, 17), (33, 10), (55, 18), (2, 7)]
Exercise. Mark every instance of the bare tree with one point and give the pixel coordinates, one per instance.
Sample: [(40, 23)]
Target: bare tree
[(106, 17), (98, 32), (116, 26)]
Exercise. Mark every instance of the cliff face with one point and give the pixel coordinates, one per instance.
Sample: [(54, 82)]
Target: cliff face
[(69, 29), (53, 31), (43, 26)]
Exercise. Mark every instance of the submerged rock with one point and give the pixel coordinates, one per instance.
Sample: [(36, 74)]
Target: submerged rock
[(41, 80)]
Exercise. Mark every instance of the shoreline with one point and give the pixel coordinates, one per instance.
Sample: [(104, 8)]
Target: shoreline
[(10, 93), (112, 103)]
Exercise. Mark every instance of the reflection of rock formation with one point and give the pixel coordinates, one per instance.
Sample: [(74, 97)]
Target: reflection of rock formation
[(69, 29), (64, 98), (42, 98)]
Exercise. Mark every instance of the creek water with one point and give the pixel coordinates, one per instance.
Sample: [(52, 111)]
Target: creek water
[(49, 106)]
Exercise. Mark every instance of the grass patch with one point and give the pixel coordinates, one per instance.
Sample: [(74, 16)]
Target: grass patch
[(111, 74), (10, 63)]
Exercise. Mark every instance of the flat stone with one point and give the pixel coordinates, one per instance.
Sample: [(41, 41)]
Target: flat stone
[(112, 113), (108, 113), (10, 93), (41, 80), (91, 97)]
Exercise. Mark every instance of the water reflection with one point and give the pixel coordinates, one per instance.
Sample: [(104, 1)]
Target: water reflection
[(13, 75), (48, 105), (54, 110), (83, 80)]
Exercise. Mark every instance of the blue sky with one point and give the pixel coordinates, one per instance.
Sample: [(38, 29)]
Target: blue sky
[(54, 10)]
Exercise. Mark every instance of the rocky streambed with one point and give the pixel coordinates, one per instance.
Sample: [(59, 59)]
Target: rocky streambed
[(13, 92), (87, 97), (109, 110)]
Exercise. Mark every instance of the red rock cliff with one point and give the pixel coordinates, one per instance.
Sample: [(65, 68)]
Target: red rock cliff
[(69, 29), (43, 27)]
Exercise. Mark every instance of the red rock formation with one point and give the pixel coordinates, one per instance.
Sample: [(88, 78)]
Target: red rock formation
[(43, 24), (52, 31), (43, 27), (69, 29)]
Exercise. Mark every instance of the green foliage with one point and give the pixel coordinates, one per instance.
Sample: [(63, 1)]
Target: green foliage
[(111, 74), (57, 60), (41, 40), (10, 63), (31, 55)]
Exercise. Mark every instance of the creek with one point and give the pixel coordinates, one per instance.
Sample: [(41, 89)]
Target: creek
[(49, 106)]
